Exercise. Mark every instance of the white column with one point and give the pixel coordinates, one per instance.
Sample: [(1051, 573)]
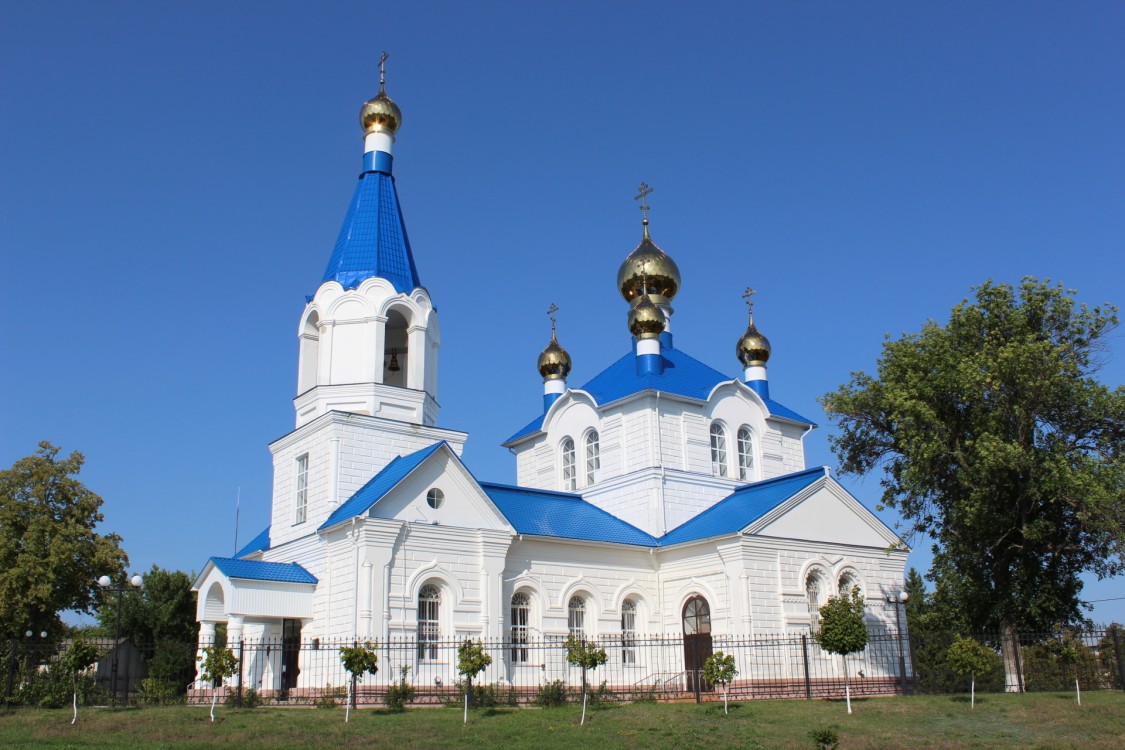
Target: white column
[(206, 638), (333, 473), (416, 346), (365, 600)]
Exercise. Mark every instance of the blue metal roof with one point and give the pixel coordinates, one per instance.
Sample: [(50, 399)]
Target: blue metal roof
[(560, 514), (256, 570), (260, 543), (742, 507), (683, 375), (373, 241), (379, 485)]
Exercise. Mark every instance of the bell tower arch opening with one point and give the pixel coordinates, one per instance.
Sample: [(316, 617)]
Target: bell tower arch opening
[(396, 359)]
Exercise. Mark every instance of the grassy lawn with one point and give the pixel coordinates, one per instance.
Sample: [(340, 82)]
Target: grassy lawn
[(1050, 720)]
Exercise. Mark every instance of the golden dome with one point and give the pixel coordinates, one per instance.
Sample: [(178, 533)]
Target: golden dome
[(554, 362), (646, 320), (650, 271), (753, 348), (380, 115)]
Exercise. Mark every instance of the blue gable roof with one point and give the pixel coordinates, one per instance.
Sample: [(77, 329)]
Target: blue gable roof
[(380, 485), (373, 241), (260, 543), (683, 375), (256, 570), (742, 507), (559, 514)]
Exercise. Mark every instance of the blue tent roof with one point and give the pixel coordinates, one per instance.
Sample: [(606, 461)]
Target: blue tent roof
[(559, 514), (683, 375), (742, 507), (373, 241), (260, 543), (256, 570), (380, 485)]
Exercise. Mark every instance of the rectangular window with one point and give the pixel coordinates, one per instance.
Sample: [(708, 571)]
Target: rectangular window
[(302, 498)]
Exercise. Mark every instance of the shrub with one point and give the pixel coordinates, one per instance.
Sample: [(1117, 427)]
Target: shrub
[(825, 738), (325, 701), (552, 694), (251, 698), (399, 693), (644, 696), (603, 697), (154, 691)]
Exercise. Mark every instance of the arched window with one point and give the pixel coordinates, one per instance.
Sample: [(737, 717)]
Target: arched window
[(629, 632), (745, 454), (849, 581), (812, 595), (395, 355), (593, 457), (429, 628), (521, 617), (569, 476), (576, 617), (718, 450)]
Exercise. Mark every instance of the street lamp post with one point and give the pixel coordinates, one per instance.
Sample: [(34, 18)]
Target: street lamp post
[(107, 583), (898, 601)]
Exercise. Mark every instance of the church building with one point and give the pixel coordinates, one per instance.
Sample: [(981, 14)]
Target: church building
[(662, 498)]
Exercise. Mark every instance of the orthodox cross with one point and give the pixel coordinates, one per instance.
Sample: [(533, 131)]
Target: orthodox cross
[(749, 297), (382, 76), (644, 191), (551, 312)]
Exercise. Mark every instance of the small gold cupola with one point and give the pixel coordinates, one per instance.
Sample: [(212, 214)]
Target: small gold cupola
[(646, 320), (753, 351), (380, 114), (554, 365), (648, 271)]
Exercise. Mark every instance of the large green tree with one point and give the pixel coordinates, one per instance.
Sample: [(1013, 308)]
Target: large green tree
[(50, 552), (996, 442)]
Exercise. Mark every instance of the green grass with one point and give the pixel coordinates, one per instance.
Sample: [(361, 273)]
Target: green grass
[(1050, 720)]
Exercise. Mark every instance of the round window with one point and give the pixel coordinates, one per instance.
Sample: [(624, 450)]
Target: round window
[(435, 498)]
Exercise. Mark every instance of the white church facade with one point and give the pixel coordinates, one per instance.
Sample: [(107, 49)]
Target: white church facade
[(661, 498)]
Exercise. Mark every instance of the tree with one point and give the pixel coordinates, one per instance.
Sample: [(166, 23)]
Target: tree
[(357, 660), (76, 660), (471, 661), (585, 655), (719, 668), (218, 663), (966, 656), (842, 630), (50, 553), (160, 618), (996, 441)]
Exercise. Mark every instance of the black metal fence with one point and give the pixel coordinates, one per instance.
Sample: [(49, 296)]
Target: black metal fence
[(288, 672)]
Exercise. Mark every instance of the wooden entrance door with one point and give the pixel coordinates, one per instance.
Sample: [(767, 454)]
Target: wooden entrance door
[(290, 653), (697, 642)]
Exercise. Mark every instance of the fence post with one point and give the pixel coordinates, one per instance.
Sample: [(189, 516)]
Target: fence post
[(241, 667), (1116, 649), (805, 653), (12, 669)]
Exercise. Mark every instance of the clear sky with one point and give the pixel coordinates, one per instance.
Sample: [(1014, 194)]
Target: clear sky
[(173, 176)]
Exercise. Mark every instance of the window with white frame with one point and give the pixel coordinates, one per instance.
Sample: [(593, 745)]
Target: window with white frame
[(302, 497), (593, 457), (429, 627), (812, 595), (718, 450), (521, 616), (745, 454), (628, 632), (576, 617), (569, 475), (848, 581)]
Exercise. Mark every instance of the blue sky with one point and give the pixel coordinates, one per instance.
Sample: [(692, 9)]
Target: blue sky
[(174, 176)]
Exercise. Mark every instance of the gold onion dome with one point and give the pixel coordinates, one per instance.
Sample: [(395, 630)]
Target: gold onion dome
[(646, 320), (753, 348), (380, 115), (554, 362), (648, 271)]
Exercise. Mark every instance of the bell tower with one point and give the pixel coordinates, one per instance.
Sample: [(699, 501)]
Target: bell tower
[(369, 337)]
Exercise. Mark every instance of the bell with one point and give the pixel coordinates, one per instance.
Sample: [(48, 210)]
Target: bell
[(393, 366)]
